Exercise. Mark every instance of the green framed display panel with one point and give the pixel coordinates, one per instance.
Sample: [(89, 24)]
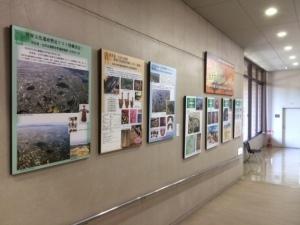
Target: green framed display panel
[(238, 118), (51, 96), (193, 113), (227, 120), (212, 129)]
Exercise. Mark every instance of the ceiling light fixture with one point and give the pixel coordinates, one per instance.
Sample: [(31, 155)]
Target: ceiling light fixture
[(286, 67), (271, 11), (288, 48), (281, 34), (295, 64), (292, 57)]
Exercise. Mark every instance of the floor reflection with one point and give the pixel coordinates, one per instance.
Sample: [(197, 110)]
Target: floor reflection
[(275, 165)]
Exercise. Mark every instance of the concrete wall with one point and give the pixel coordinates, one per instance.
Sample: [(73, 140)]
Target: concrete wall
[(283, 92), (168, 32)]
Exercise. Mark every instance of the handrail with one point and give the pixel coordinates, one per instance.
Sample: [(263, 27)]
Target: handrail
[(144, 196)]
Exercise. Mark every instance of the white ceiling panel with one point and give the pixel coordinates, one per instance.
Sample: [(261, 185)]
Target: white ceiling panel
[(255, 9), (245, 22), (292, 29), (226, 14), (202, 3), (247, 37)]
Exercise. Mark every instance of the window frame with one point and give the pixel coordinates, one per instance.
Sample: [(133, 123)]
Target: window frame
[(253, 77)]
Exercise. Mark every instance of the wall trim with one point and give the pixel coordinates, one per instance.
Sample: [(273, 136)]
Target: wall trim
[(201, 176)]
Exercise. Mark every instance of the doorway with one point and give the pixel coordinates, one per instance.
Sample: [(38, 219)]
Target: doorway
[(291, 127)]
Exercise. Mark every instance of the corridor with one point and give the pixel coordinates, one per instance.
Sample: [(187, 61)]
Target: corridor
[(268, 194)]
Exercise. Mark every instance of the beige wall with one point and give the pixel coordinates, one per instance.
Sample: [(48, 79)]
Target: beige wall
[(167, 32)]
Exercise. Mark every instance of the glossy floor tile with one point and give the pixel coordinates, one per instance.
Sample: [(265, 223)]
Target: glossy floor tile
[(268, 194), (250, 203), (275, 165)]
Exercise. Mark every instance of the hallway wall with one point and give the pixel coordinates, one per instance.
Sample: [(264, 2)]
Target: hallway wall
[(283, 92), (167, 32)]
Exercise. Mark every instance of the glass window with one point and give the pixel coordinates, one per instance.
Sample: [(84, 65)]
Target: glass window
[(246, 64), (259, 75), (253, 109), (245, 109), (253, 74), (254, 101), (259, 108)]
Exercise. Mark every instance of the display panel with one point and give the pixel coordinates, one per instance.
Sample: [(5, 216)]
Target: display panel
[(219, 76), (227, 107), (212, 122), (122, 101), (50, 100), (193, 106), (162, 102), (238, 118)]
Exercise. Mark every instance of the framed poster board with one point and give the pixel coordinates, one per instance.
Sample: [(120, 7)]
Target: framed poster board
[(122, 101), (193, 112), (50, 100), (162, 102), (227, 109), (219, 76), (212, 122), (238, 118)]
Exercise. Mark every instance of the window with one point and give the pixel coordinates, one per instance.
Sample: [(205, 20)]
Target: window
[(253, 100), (253, 109), (259, 108), (245, 110)]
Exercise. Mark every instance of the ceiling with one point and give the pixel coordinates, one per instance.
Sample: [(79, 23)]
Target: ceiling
[(245, 22)]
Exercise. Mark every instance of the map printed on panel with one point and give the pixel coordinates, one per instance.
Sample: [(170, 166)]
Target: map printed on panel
[(50, 100), (212, 122), (193, 125), (162, 103), (227, 107), (122, 83)]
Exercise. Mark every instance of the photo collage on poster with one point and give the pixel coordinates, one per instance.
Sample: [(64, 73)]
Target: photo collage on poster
[(162, 102), (50, 100), (212, 122), (193, 125), (238, 117), (219, 76), (227, 107), (122, 101)]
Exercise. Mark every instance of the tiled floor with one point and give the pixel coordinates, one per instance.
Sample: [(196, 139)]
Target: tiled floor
[(276, 165), (268, 194)]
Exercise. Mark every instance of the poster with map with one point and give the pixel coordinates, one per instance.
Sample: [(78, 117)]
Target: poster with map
[(238, 118), (227, 109), (193, 111), (122, 101), (212, 122), (162, 102), (219, 76), (51, 107)]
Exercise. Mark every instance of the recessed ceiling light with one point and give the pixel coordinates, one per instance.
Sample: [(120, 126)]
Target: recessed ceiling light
[(281, 34), (271, 11), (292, 57), (288, 48), (286, 68), (295, 64)]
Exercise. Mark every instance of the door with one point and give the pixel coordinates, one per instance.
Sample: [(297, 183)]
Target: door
[(291, 128)]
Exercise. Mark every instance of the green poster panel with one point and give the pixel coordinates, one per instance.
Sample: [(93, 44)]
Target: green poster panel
[(212, 122), (238, 118), (227, 108), (193, 111), (51, 98)]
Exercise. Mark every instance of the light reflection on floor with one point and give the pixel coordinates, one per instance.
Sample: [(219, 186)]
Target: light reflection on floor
[(275, 165)]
